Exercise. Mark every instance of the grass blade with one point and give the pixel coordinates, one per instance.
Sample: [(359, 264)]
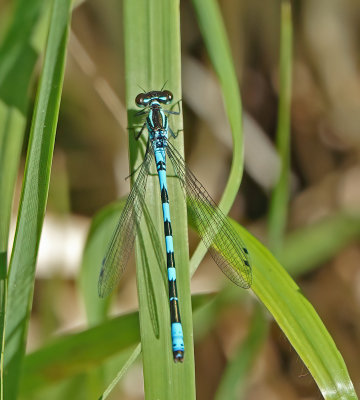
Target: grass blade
[(293, 312), (33, 197), (313, 245), (214, 35), (280, 195), (123, 370), (102, 226), (299, 321), (17, 61), (233, 382), (77, 353), (73, 354), (80, 386), (152, 57)]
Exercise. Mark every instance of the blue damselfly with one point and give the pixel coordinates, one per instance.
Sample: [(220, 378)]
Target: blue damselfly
[(224, 244)]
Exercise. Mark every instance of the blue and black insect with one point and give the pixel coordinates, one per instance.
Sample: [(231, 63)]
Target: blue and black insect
[(225, 246)]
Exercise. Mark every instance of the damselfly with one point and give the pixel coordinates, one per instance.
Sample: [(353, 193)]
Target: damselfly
[(224, 244)]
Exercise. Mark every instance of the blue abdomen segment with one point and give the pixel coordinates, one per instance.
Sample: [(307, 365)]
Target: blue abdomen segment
[(171, 274), (169, 244), (177, 341), (177, 336)]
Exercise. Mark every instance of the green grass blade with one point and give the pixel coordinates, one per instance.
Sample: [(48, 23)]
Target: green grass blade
[(11, 140), (17, 62), (18, 55), (299, 321), (33, 197), (294, 313), (74, 388), (123, 370), (80, 386), (207, 316), (280, 195), (214, 35), (312, 245), (102, 227), (233, 382), (152, 57), (79, 352)]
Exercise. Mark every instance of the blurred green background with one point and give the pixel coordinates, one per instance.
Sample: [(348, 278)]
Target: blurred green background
[(91, 162)]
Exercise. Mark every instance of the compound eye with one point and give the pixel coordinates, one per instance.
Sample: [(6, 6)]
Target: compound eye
[(168, 95), (140, 100)]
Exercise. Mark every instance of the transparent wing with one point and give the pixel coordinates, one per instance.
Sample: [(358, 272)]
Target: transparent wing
[(123, 239), (225, 246)]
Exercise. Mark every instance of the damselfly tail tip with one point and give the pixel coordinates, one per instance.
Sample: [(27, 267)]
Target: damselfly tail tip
[(178, 356)]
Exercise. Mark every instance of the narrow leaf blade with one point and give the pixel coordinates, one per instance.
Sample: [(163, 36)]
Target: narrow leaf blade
[(33, 198)]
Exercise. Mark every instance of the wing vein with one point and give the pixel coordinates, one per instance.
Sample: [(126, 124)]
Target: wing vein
[(217, 233), (123, 238)]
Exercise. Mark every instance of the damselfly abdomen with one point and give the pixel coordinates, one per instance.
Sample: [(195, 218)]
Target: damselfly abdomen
[(225, 245)]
